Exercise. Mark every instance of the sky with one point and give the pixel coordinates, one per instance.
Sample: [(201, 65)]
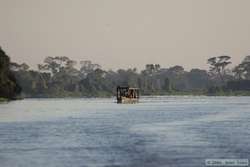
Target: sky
[(126, 33)]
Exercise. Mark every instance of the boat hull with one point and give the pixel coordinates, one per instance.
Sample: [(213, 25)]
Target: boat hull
[(127, 100)]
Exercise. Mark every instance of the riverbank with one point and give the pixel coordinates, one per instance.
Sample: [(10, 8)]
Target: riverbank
[(174, 93), (200, 93), (2, 99), (230, 93)]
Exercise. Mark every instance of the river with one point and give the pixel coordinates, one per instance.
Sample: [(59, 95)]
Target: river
[(171, 131)]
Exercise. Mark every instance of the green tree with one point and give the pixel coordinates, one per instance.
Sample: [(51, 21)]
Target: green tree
[(218, 65), (8, 85), (242, 71), (87, 67), (167, 85)]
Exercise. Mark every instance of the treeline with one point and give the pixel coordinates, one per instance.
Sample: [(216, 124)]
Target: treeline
[(59, 77), (64, 77)]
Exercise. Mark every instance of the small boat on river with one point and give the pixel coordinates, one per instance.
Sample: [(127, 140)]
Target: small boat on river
[(125, 94)]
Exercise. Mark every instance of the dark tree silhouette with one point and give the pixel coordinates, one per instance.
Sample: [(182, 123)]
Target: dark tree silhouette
[(8, 85), (218, 65)]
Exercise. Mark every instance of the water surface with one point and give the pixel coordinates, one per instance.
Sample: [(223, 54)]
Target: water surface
[(178, 131)]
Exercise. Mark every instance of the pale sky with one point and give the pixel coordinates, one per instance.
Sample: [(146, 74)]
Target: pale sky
[(126, 33)]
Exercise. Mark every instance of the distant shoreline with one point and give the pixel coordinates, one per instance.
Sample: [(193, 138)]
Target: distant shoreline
[(221, 94)]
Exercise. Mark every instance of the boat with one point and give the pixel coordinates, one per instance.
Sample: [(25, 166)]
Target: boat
[(126, 94)]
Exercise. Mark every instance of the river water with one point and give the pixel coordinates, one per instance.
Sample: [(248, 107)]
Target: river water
[(171, 131)]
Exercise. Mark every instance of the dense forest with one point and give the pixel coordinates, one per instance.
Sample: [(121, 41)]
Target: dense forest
[(60, 77)]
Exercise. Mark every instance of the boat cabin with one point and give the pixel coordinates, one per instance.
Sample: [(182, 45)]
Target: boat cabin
[(125, 94)]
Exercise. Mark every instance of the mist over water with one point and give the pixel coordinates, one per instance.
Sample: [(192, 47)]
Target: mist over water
[(179, 131)]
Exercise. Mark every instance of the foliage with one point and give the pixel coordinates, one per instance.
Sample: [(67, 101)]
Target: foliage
[(60, 77), (238, 85), (242, 71), (218, 65), (8, 86)]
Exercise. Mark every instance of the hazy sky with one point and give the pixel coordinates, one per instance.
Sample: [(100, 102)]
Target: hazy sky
[(126, 33)]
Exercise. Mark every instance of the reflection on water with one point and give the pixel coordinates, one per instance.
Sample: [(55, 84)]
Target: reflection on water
[(158, 131)]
